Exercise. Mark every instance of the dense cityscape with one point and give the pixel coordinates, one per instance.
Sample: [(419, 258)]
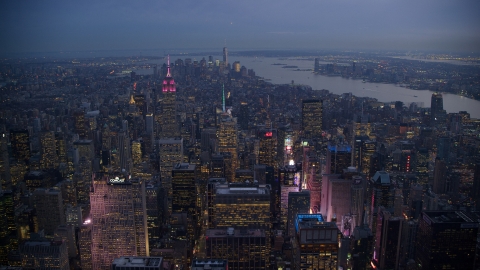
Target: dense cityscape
[(123, 163)]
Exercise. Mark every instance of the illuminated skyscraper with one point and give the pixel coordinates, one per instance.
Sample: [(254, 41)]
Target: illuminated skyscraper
[(289, 177), (243, 249), (170, 153), (267, 150), (169, 125), (119, 220), (312, 118), (339, 158), (227, 142), (5, 177), (316, 243), (20, 142), (49, 150)]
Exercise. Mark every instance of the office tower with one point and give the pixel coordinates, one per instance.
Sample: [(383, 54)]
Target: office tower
[(50, 209), (85, 149), (66, 233), (422, 159), (289, 177), (312, 118), (61, 148), (362, 246), (169, 125), (5, 177), (336, 198), (141, 104), (80, 124), (298, 203), (155, 198), (213, 264), (8, 229), (242, 206), (184, 199), (267, 150), (443, 149), (446, 240), (124, 152), (381, 192), (475, 191), (338, 158), (316, 66), (225, 56), (243, 116), (407, 247), (137, 263), (137, 152), (316, 243), (386, 254), (243, 249), (212, 185), (217, 166), (119, 220), (440, 177), (357, 202), (49, 150), (436, 108), (85, 245), (20, 142), (227, 143), (362, 153), (170, 153), (44, 254)]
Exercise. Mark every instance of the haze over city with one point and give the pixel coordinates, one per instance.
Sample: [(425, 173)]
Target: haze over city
[(50, 26), (175, 135)]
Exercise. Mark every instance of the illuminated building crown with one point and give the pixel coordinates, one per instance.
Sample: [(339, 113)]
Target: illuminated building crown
[(168, 82)]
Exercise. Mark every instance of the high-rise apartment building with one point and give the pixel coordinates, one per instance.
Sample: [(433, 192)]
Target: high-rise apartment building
[(119, 220), (312, 118)]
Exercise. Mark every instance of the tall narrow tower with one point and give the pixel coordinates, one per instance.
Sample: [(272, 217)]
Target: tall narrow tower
[(169, 128), (225, 56)]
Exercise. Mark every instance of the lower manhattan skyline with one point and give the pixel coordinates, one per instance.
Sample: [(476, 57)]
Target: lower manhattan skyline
[(239, 135)]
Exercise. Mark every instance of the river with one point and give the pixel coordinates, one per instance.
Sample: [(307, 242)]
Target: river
[(263, 67)]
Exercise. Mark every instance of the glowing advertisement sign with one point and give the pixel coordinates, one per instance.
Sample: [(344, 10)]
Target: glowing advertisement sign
[(116, 180), (268, 134)]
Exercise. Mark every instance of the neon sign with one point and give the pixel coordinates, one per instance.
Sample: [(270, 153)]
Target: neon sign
[(117, 180), (268, 134)]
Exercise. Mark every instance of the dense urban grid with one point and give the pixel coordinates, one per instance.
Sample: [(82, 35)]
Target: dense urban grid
[(201, 164)]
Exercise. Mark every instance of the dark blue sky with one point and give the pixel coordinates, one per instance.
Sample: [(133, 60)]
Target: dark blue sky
[(46, 26)]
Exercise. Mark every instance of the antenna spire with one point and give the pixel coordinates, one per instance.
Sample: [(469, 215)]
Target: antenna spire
[(168, 66)]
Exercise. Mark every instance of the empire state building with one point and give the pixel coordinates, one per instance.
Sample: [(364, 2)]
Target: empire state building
[(169, 126)]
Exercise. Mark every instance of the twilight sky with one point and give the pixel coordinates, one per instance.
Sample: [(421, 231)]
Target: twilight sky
[(47, 26)]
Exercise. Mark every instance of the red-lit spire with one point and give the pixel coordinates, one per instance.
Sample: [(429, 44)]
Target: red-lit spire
[(168, 82)]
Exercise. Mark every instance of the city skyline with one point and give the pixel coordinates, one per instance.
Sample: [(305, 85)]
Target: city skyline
[(55, 26)]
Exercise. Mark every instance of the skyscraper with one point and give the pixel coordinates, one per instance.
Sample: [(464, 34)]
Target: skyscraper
[(50, 209), (298, 203), (312, 118), (315, 245), (119, 220), (225, 56), (169, 125), (227, 142), (436, 108), (446, 240)]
